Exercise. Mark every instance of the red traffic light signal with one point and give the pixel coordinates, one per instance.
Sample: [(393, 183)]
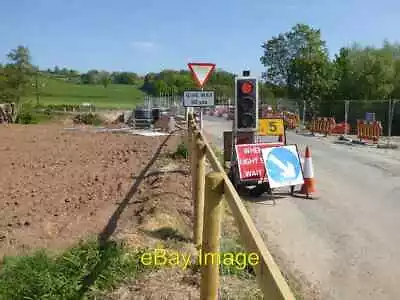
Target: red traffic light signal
[(246, 104), (246, 87)]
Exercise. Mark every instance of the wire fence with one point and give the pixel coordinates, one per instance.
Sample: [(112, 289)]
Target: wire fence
[(386, 111)]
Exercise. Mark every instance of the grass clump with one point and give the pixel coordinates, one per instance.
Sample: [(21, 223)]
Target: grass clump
[(28, 115), (78, 273), (88, 119), (241, 268), (181, 151)]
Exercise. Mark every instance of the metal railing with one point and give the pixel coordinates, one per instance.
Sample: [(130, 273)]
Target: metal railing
[(208, 191)]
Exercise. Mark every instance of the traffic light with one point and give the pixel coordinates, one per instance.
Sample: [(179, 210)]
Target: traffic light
[(246, 102)]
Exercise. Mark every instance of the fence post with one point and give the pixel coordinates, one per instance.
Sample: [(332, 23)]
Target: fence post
[(346, 115), (193, 167), (190, 137), (214, 194), (199, 190)]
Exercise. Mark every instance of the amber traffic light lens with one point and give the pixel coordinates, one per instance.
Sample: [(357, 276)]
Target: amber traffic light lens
[(247, 104), (246, 88)]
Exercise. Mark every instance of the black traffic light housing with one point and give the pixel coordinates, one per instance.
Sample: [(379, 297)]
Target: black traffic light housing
[(246, 104)]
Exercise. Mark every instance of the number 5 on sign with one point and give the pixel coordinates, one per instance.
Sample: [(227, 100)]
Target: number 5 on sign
[(271, 127)]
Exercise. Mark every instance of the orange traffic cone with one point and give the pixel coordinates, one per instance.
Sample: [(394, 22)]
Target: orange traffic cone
[(308, 171)]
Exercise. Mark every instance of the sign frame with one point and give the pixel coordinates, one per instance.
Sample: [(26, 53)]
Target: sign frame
[(196, 78), (241, 138), (212, 98)]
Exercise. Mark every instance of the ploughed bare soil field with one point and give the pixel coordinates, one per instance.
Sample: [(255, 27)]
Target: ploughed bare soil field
[(59, 186)]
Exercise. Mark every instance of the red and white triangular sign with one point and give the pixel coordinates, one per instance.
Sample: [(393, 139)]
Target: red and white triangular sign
[(201, 72)]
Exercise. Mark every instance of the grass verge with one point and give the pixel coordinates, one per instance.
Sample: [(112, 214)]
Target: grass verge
[(64, 276), (237, 282)]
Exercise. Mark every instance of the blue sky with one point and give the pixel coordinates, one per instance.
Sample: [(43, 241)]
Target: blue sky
[(147, 36)]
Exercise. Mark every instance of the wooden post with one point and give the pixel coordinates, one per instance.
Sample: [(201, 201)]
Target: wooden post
[(190, 137), (199, 191), (209, 255), (193, 168)]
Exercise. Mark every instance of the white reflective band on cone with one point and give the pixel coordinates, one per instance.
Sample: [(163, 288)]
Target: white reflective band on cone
[(308, 169)]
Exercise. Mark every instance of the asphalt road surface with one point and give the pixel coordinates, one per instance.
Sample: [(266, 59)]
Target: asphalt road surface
[(346, 243)]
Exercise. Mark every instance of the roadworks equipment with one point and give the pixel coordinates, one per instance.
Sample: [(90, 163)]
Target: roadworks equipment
[(308, 173)]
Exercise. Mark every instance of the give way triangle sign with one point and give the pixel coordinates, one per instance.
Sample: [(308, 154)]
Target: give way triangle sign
[(201, 72)]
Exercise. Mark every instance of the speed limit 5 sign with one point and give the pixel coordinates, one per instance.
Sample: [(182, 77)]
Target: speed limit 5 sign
[(273, 127)]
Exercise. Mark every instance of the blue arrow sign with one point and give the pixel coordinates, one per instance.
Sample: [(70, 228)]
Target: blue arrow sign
[(283, 166)]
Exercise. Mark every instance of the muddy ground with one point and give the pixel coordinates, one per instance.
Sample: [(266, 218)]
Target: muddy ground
[(59, 186)]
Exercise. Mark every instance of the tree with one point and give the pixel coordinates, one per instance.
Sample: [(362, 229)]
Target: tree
[(276, 59), (105, 78), (3, 84), (266, 92), (344, 75), (91, 77), (19, 73), (124, 78), (396, 89), (373, 73), (297, 60)]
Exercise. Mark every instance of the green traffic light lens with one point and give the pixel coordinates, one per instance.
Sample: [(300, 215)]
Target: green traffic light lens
[(247, 121)]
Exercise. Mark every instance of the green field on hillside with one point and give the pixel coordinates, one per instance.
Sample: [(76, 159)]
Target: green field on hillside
[(59, 91)]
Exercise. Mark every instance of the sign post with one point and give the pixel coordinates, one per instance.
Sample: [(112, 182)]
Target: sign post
[(201, 117), (201, 73)]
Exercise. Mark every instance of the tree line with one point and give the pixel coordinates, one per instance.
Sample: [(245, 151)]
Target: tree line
[(170, 82), (98, 77), (166, 82), (298, 66)]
